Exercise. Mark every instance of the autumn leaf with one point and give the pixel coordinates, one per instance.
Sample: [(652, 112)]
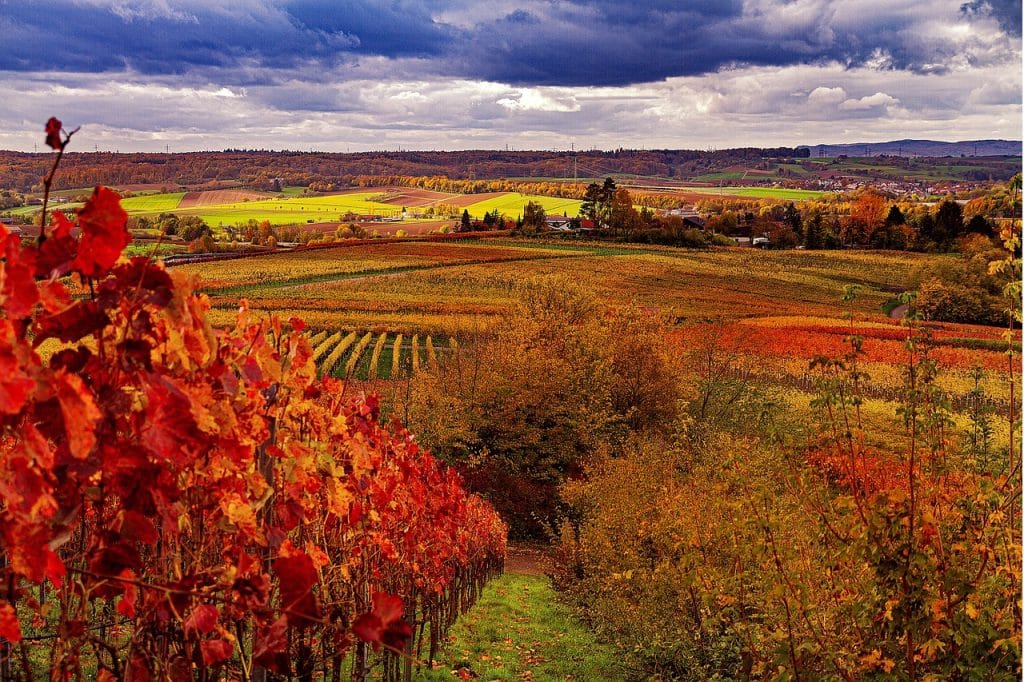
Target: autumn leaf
[(215, 651), (203, 619), (53, 127), (18, 291), (16, 385), (269, 649), (383, 625), (297, 575), (126, 605), (58, 252), (10, 628), (80, 412), (104, 226)]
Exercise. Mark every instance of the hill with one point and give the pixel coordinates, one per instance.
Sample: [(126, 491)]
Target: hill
[(920, 148)]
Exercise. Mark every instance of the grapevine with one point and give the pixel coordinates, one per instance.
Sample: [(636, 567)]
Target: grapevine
[(195, 501)]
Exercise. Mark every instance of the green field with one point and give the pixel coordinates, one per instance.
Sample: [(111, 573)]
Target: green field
[(152, 203), (297, 210), (758, 192), (512, 205)]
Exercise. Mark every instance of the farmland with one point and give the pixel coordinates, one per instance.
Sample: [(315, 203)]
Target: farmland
[(712, 400), (780, 306), (414, 287), (219, 208)]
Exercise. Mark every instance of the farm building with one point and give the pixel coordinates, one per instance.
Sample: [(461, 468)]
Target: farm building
[(558, 222)]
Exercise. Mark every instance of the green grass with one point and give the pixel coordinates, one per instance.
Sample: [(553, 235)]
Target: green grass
[(759, 192), (512, 205), (297, 210), (519, 630), (152, 203)]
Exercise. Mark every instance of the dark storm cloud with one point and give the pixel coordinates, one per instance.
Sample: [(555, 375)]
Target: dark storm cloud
[(556, 42), (601, 42), (1006, 12), (162, 37)]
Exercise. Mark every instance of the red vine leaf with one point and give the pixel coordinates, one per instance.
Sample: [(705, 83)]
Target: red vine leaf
[(203, 619), (215, 651), (16, 385), (80, 413), (269, 649), (383, 625), (297, 575), (53, 127), (104, 226), (10, 628), (58, 252)]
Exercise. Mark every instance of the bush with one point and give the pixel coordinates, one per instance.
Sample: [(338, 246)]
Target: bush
[(956, 303)]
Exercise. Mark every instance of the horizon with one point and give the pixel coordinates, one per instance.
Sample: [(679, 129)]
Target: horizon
[(228, 150), (453, 74)]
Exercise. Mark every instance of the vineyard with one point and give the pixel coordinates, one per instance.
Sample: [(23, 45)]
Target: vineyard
[(745, 466), (182, 501), (369, 356)]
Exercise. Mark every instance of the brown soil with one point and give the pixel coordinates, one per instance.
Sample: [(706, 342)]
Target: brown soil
[(469, 199), (527, 560), (417, 198), (220, 196)]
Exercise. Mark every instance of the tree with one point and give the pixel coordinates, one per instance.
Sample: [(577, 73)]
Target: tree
[(466, 221), (793, 218), (979, 225), (813, 237), (895, 216), (597, 202), (867, 214), (949, 224), (622, 218), (533, 217)]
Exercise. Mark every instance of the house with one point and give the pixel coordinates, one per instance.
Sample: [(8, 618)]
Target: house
[(690, 217), (560, 223)]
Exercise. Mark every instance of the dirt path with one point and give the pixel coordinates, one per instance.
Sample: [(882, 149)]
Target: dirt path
[(526, 560), (899, 311)]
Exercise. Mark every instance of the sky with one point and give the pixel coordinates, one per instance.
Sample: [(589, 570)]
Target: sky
[(356, 75)]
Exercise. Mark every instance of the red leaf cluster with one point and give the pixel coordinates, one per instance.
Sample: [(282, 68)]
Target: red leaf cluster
[(383, 625), (193, 465)]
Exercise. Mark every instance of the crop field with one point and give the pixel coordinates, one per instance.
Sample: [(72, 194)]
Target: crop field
[(459, 286), (300, 273), (229, 207), (755, 192), (512, 204), (370, 356), (780, 309), (152, 203), (290, 211)]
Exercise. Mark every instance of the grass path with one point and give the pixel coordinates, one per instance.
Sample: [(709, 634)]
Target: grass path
[(520, 631)]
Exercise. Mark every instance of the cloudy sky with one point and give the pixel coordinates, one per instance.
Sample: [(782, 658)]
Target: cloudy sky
[(339, 75)]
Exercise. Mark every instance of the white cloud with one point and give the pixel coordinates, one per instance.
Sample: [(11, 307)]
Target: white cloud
[(875, 101), (538, 99), (824, 95), (391, 104)]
